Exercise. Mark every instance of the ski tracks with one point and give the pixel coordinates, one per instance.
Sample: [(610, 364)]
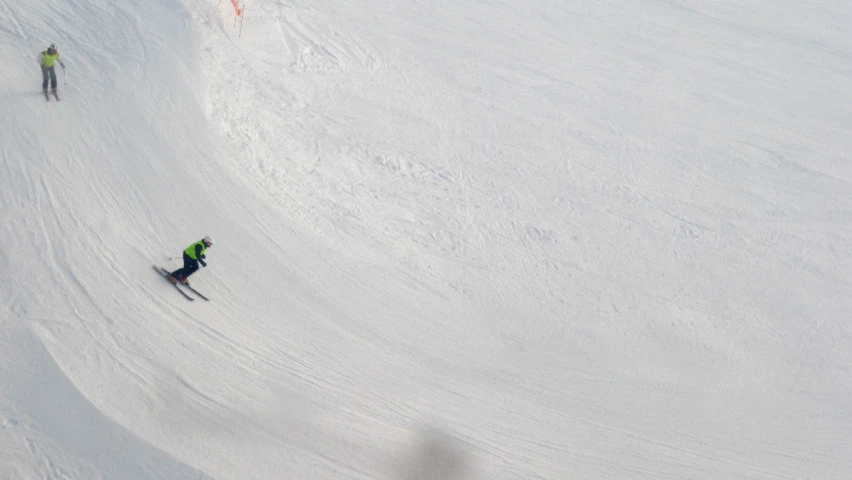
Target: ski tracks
[(8, 13), (322, 51)]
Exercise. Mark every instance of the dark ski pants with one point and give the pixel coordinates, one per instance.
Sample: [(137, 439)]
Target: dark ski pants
[(190, 266), (48, 72)]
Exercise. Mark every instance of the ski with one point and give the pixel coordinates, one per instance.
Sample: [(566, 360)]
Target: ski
[(46, 96), (56, 95), (162, 271), (195, 291)]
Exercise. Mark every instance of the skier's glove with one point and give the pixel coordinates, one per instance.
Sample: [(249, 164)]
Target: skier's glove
[(203, 263), (203, 256)]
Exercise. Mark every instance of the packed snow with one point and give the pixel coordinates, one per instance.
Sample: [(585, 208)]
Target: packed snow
[(518, 239)]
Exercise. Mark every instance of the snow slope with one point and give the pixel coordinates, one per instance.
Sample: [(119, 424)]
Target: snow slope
[(471, 240)]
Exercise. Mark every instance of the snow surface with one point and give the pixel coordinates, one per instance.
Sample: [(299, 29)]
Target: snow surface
[(456, 240)]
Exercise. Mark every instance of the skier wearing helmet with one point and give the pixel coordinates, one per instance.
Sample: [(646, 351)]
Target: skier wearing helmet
[(47, 59), (192, 256)]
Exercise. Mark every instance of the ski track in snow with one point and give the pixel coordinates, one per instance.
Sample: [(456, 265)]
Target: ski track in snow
[(459, 241)]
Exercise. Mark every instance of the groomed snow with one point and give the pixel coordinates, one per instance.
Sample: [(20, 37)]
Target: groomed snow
[(455, 240)]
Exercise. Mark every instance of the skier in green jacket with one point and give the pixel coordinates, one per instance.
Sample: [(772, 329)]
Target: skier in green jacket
[(192, 256), (47, 59)]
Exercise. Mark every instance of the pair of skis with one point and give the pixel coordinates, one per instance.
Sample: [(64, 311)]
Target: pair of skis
[(47, 97), (166, 274)]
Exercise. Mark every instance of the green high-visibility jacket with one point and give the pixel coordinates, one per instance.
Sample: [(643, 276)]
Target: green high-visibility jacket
[(49, 60), (193, 250)]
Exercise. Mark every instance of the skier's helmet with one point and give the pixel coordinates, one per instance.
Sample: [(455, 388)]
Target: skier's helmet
[(51, 49), (208, 240)]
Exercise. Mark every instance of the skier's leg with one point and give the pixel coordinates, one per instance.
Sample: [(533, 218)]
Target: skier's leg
[(187, 263), (190, 265), (52, 71), (192, 268), (44, 78)]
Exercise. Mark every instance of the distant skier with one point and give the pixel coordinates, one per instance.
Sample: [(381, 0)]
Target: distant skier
[(47, 59), (192, 256)]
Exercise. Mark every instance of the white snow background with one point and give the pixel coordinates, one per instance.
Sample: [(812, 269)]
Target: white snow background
[(479, 239)]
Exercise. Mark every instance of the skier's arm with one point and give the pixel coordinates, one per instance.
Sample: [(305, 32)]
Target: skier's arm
[(40, 58), (59, 59), (199, 256)]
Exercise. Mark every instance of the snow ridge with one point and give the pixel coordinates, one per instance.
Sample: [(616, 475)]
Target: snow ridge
[(463, 241)]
